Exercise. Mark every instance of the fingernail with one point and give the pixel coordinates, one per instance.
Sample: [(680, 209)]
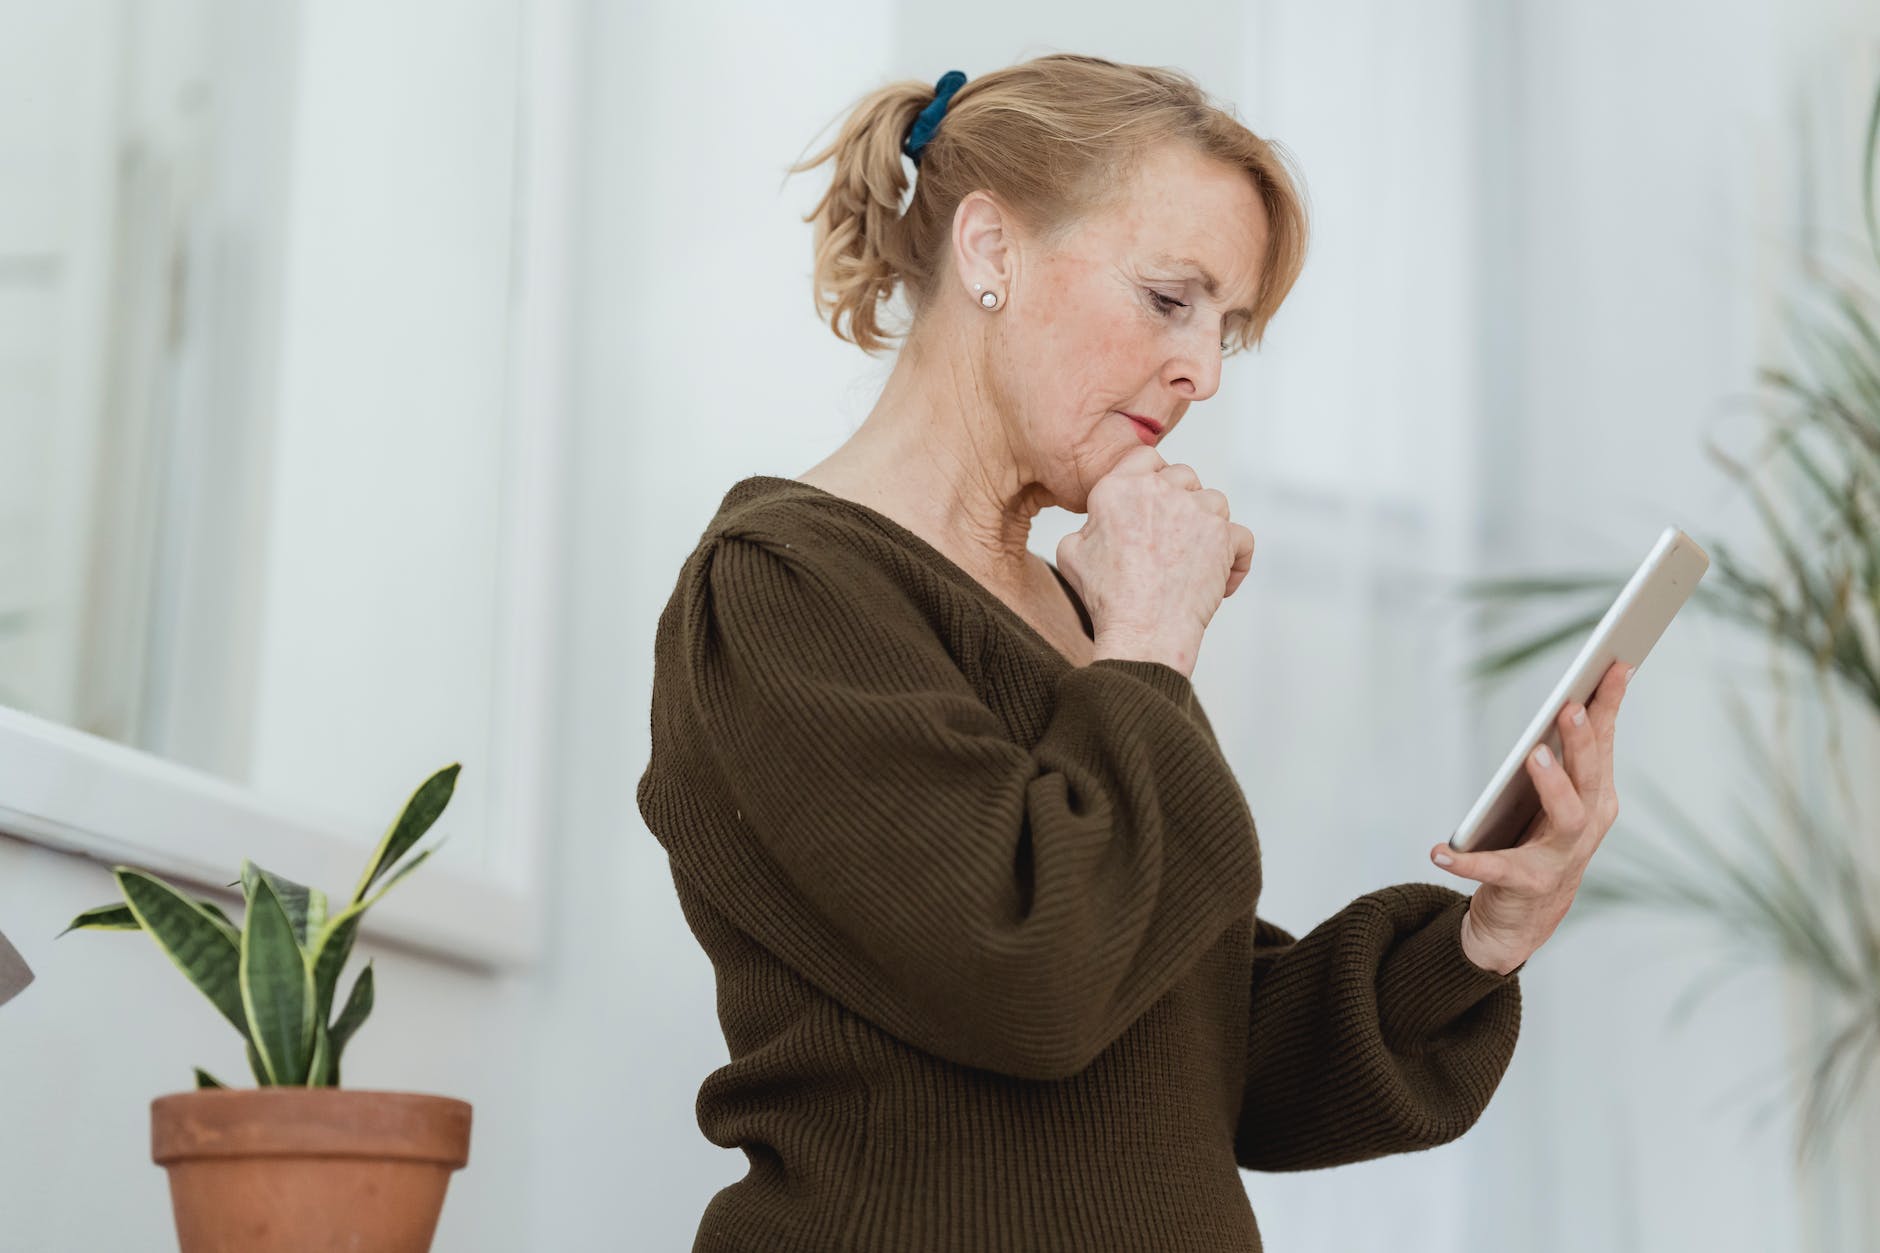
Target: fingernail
[(1444, 859), (1629, 672), (1544, 757), (1579, 717)]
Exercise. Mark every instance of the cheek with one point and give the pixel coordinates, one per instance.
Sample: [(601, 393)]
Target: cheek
[(1081, 350), (1085, 340), (1119, 345)]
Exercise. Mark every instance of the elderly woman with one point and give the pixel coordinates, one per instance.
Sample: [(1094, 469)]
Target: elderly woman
[(977, 882)]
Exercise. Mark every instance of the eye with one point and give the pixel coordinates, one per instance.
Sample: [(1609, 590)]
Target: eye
[(1164, 304)]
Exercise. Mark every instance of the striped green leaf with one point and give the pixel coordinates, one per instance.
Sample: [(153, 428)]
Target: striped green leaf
[(258, 1067), (276, 987), (322, 1057), (193, 938), (233, 932), (305, 906), (120, 918), (334, 944), (105, 918), (421, 810), (329, 956), (358, 1005)]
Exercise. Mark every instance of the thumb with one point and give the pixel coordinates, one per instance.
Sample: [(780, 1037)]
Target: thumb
[(1484, 866), (1067, 550)]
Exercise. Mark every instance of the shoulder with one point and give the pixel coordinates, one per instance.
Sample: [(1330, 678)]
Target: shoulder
[(784, 603), (785, 543), (775, 530), (775, 564), (777, 557), (783, 521)]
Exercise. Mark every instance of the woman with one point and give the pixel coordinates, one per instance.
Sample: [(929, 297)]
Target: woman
[(977, 883)]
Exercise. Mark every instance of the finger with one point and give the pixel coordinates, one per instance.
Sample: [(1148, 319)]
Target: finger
[(1213, 499), (1602, 714), (1566, 810), (1588, 763), (1242, 539), (1581, 749), (1494, 865), (1142, 459), (1180, 473), (1603, 709), (1608, 811)]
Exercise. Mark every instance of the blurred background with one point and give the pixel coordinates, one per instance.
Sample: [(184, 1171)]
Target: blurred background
[(367, 371)]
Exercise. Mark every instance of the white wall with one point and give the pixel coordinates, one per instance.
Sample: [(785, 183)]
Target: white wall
[(699, 361), (1533, 286), (382, 507), (1602, 301), (387, 500)]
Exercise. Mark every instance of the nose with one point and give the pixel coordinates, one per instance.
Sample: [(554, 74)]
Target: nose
[(1196, 373)]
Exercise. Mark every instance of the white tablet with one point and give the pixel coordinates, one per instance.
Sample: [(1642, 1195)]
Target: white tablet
[(1509, 805)]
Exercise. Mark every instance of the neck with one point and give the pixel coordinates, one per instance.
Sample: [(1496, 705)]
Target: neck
[(936, 454)]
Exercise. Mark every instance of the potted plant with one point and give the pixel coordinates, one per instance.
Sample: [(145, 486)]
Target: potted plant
[(294, 1163)]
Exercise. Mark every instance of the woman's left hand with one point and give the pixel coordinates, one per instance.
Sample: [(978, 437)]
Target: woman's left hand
[(1527, 889)]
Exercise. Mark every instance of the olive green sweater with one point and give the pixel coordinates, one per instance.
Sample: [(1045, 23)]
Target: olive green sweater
[(983, 927)]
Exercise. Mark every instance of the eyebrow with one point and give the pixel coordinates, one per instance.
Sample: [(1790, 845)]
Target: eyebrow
[(1208, 281)]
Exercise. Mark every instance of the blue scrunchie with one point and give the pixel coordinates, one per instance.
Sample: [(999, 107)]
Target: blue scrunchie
[(928, 120)]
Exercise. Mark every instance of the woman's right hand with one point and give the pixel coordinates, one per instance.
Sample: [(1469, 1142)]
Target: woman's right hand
[(1155, 559)]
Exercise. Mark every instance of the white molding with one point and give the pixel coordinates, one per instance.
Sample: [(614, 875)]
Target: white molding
[(522, 806), (119, 805)]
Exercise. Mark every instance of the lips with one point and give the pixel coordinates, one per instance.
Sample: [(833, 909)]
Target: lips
[(1155, 427)]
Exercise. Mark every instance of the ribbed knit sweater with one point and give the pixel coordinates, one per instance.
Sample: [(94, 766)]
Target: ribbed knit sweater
[(983, 922)]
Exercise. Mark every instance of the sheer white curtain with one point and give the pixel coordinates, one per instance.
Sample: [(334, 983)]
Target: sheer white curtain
[(1532, 280), (1540, 268), (1353, 444)]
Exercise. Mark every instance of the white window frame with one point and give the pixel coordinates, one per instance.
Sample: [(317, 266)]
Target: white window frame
[(81, 793)]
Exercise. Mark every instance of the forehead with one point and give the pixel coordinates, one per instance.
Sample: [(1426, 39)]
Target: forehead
[(1184, 215)]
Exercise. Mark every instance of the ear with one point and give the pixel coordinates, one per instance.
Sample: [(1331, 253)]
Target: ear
[(983, 246)]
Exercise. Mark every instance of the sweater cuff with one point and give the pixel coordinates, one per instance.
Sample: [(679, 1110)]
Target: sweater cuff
[(1428, 981), (1161, 676)]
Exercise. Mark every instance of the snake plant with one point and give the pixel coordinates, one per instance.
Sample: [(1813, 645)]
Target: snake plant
[(274, 977)]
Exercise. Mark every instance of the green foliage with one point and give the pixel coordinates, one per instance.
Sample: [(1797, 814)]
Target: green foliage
[(274, 977), (1805, 898)]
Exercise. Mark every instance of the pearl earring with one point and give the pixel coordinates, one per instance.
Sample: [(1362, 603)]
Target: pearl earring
[(989, 299)]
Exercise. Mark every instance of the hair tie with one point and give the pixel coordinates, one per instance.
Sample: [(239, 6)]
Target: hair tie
[(928, 120)]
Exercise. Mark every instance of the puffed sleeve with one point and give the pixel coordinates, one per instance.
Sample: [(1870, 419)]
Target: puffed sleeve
[(1003, 905), (1375, 1034)]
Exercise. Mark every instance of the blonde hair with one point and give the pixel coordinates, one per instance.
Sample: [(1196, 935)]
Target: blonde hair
[(1054, 140)]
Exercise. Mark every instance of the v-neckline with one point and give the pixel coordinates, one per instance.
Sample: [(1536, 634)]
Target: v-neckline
[(958, 572)]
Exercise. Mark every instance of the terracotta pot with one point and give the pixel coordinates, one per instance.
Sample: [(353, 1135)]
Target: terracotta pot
[(308, 1170)]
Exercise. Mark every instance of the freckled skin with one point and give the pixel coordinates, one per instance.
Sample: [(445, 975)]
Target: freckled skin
[(1084, 339), (988, 417)]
